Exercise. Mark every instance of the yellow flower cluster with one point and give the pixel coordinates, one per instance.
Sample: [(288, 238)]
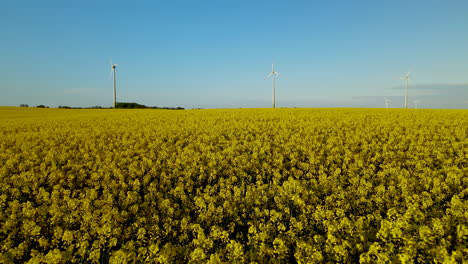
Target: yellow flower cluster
[(233, 185)]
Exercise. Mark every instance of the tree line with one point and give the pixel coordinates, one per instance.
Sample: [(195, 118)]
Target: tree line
[(119, 105)]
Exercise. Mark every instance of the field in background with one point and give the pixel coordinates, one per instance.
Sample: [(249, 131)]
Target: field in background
[(238, 185)]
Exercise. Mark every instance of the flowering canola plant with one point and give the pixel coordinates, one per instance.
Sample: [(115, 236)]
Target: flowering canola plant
[(233, 185)]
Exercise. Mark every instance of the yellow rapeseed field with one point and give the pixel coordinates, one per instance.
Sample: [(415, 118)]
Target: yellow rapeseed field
[(233, 186)]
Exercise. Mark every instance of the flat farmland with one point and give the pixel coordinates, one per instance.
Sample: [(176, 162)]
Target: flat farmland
[(233, 186)]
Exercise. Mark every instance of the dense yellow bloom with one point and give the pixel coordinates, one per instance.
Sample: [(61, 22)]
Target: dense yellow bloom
[(233, 185)]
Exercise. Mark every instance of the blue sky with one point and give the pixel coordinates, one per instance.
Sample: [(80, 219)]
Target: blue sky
[(213, 54)]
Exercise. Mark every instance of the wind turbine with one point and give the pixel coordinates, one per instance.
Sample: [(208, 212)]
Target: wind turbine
[(406, 78), (113, 72), (416, 102), (387, 101), (274, 74)]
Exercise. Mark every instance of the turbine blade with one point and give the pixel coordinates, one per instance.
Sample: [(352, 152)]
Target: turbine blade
[(269, 75), (111, 68)]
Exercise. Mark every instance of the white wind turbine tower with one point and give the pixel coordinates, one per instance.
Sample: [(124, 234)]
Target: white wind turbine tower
[(113, 72), (406, 78), (387, 102), (274, 74)]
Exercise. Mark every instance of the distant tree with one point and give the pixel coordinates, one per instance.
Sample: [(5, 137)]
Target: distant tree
[(42, 106), (125, 105), (64, 106), (24, 105)]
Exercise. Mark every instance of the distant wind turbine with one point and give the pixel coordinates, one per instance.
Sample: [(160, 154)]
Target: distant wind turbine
[(406, 78), (113, 72), (387, 102), (416, 103), (274, 74)]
